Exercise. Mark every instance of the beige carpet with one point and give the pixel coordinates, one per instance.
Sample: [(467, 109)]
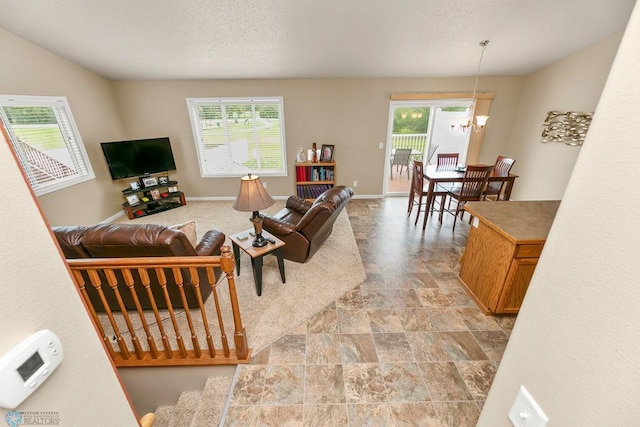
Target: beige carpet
[(335, 269)]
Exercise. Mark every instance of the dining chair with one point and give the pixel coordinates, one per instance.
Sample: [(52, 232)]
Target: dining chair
[(447, 161), (473, 183), (502, 167), (400, 159), (419, 190)]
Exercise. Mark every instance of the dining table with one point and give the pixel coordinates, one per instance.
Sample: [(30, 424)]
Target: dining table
[(435, 175)]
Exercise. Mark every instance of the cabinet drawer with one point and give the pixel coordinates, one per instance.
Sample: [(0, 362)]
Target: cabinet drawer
[(528, 251)]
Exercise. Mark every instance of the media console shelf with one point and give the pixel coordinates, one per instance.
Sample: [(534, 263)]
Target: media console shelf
[(167, 200)]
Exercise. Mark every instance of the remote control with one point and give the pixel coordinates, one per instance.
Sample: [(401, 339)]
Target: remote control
[(273, 242)]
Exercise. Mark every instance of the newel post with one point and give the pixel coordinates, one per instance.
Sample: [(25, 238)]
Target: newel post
[(228, 263)]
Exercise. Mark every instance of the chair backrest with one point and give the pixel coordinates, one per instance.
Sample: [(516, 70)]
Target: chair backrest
[(475, 179), (417, 182), (447, 161), (502, 167), (401, 156)]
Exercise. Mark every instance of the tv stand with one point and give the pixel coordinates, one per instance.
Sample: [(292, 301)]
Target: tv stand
[(168, 200)]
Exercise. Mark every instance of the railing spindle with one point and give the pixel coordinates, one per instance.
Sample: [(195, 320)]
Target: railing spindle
[(146, 282), (97, 284), (177, 276), (162, 279), (113, 282), (81, 284), (187, 274)]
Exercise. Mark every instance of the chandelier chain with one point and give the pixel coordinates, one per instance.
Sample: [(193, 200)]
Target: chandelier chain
[(484, 44)]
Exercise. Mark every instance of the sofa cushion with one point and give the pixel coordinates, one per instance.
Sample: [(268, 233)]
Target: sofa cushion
[(190, 229), (140, 240), (70, 241)]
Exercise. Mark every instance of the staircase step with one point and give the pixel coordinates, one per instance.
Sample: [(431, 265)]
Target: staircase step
[(164, 415), (214, 397), (185, 408)]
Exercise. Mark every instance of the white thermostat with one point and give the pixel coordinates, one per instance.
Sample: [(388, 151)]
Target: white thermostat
[(27, 365)]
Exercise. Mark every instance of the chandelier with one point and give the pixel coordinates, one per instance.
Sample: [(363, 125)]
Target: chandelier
[(481, 121)]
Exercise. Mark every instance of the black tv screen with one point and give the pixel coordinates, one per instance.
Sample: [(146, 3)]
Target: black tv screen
[(138, 157)]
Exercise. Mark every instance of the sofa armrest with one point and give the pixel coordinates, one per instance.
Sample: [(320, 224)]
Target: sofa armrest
[(277, 226), (211, 243), (298, 204)]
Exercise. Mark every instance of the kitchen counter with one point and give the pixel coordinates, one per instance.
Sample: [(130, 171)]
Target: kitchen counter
[(504, 244)]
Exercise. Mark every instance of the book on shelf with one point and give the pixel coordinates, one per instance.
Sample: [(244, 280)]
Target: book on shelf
[(314, 173)]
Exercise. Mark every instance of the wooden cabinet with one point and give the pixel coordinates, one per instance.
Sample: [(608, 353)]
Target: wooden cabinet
[(313, 179), (502, 251)]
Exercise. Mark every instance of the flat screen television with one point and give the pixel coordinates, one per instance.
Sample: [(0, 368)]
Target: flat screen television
[(139, 157)]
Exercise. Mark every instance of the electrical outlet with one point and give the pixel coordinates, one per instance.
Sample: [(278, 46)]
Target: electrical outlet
[(264, 184), (381, 145), (355, 183), (525, 412)]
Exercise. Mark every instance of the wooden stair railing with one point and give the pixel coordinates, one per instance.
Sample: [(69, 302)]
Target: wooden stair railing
[(100, 273)]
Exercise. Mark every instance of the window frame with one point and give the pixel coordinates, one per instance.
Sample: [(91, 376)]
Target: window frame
[(69, 132), (194, 103)]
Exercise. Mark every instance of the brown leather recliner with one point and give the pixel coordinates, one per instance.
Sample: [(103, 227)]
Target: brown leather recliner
[(304, 225), (139, 240)]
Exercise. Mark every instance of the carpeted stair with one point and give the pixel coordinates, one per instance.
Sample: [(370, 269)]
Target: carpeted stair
[(197, 408)]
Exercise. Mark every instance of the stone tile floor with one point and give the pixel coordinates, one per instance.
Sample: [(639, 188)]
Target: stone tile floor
[(406, 347)]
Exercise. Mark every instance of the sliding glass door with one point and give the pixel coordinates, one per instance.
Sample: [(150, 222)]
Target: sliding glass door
[(427, 127)]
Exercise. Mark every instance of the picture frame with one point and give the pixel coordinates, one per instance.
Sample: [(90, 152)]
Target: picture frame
[(149, 181), (326, 153), (135, 185), (172, 189), (133, 200), (155, 194), (163, 180)]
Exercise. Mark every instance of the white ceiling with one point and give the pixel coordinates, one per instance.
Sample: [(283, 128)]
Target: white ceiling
[(238, 39)]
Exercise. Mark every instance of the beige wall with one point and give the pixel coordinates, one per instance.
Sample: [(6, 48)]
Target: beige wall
[(576, 345), (35, 71), (350, 113), (572, 84), (37, 293)]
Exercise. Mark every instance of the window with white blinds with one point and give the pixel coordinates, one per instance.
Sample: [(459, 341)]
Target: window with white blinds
[(46, 141), (236, 136)]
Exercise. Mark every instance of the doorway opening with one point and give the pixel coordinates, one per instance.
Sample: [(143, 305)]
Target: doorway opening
[(426, 128)]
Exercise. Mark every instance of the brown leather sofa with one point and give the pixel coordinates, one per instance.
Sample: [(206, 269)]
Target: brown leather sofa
[(303, 225), (139, 240)]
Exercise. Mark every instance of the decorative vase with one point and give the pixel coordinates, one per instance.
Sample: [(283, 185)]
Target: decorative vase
[(301, 156)]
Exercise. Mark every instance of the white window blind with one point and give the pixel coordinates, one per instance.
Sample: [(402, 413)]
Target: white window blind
[(46, 141), (236, 136)]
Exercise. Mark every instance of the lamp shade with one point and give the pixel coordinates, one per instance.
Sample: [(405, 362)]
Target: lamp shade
[(482, 120), (252, 195)]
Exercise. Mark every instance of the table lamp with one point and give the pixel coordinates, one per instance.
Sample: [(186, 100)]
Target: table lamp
[(251, 198)]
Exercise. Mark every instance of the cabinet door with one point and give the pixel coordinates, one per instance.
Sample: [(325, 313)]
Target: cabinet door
[(485, 265), (516, 284)]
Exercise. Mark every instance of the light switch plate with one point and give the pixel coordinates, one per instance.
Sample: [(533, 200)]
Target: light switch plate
[(525, 412)]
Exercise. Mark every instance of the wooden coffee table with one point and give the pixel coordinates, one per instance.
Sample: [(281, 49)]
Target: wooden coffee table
[(257, 254)]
